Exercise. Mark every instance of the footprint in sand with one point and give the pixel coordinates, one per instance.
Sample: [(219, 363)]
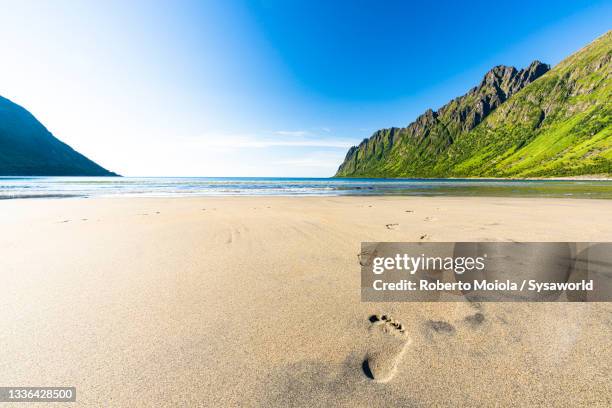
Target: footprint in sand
[(386, 346), (475, 320), (366, 257), (440, 326)]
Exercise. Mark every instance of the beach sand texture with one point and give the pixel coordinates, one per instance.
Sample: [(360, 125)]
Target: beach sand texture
[(255, 301)]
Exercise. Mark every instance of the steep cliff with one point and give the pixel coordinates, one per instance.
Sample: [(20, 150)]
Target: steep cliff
[(532, 122), (27, 148)]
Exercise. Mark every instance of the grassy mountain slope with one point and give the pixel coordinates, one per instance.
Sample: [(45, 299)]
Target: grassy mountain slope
[(27, 148), (552, 124)]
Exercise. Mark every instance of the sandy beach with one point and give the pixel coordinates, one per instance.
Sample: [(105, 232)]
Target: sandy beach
[(255, 301)]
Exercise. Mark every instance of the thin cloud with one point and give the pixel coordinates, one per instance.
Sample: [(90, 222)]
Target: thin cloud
[(292, 132), (253, 142), (308, 162)]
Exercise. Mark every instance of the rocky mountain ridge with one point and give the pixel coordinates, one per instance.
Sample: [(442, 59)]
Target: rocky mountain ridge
[(456, 140)]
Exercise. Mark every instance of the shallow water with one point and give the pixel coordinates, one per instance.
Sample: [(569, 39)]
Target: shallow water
[(51, 187)]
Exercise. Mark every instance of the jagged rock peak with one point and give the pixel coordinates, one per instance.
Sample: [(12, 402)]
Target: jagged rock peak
[(509, 80)]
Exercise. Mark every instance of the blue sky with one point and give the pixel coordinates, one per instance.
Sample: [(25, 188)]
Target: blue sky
[(261, 88)]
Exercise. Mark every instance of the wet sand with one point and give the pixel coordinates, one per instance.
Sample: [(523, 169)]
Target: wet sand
[(255, 301)]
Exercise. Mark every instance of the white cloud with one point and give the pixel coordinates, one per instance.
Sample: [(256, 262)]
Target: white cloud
[(292, 132), (309, 162), (258, 142)]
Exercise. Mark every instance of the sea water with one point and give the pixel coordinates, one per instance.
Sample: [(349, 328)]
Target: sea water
[(61, 187)]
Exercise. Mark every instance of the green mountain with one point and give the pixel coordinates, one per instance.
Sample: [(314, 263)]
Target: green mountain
[(534, 122), (27, 148)]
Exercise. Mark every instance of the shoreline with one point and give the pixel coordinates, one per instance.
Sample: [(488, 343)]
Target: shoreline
[(588, 177), (595, 177), (292, 196)]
